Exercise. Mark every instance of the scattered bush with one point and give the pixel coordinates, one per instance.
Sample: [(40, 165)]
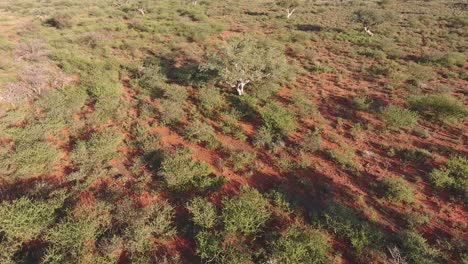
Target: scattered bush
[(278, 119), (298, 245), (200, 132), (397, 190), (342, 221), (203, 212), (60, 21), (312, 141), (362, 102), (95, 153), (210, 99), (239, 158), (416, 249), (454, 175), (246, 213), (441, 107), (346, 157), (396, 117), (181, 171)]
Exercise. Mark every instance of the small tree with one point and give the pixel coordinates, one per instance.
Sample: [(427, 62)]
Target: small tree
[(243, 61), (290, 6), (368, 18)]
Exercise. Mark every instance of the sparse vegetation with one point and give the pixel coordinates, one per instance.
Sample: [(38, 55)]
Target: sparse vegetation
[(236, 131)]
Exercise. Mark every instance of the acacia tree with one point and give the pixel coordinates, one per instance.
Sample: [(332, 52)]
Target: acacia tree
[(290, 6), (368, 18), (243, 61)]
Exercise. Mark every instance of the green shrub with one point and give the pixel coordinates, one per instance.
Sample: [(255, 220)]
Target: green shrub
[(75, 237), (304, 105), (230, 126), (210, 99), (23, 219), (454, 175), (30, 158), (298, 245), (362, 102), (95, 153), (441, 107), (203, 212), (247, 61), (415, 248), (181, 171), (447, 59), (396, 117), (345, 156), (238, 158), (278, 119), (397, 190), (266, 138), (344, 222), (312, 141), (200, 132), (246, 213)]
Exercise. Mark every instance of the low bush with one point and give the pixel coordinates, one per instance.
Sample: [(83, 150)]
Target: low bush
[(278, 119), (203, 212), (29, 159), (210, 99), (445, 59), (346, 157), (441, 107), (60, 21), (246, 213), (200, 132), (312, 141), (396, 190), (298, 245), (24, 220), (344, 222), (454, 175), (397, 117), (181, 171), (415, 248), (239, 158), (73, 238), (363, 102), (95, 153)]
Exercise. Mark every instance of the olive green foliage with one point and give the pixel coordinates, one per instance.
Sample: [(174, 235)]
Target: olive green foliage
[(247, 59), (29, 159), (416, 250), (439, 107), (345, 156), (369, 17), (210, 99), (312, 141), (397, 190), (203, 212), (344, 222), (96, 152), (397, 117), (200, 132), (278, 119), (454, 175), (180, 170), (68, 238), (297, 245), (246, 213), (240, 159), (23, 219)]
